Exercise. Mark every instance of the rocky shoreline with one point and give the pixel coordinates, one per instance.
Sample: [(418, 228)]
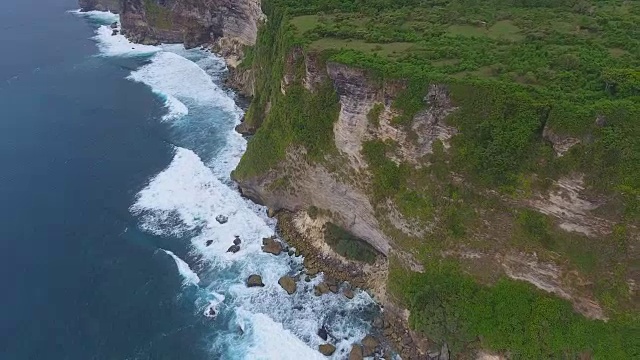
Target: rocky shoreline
[(391, 328)]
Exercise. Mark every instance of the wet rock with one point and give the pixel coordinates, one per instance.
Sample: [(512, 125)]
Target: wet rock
[(255, 281), (237, 240), (291, 252), (348, 293), (222, 219), (307, 278), (271, 212), (321, 289), (115, 32), (356, 353), (114, 25), (234, 249), (209, 242), (369, 343), (322, 332), (288, 284), (333, 289), (378, 322), (271, 246), (298, 307), (327, 349), (211, 312)]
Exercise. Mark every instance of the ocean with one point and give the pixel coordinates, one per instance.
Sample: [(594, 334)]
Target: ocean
[(116, 160)]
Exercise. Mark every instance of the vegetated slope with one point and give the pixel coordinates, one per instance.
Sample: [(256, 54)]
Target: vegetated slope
[(487, 141)]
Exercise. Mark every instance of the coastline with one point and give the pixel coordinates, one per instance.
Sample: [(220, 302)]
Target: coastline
[(392, 325)]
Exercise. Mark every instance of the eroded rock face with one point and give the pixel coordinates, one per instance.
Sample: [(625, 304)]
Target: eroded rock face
[(567, 202), (315, 185), (359, 95), (114, 6), (549, 277), (227, 25), (561, 143)]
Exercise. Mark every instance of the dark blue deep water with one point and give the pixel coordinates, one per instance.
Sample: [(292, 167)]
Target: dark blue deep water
[(77, 142)]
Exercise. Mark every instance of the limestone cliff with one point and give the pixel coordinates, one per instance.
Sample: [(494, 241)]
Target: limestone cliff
[(114, 6), (341, 186), (227, 26)]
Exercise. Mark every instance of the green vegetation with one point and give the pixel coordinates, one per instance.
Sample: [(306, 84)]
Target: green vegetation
[(347, 245), (514, 69), (157, 15), (509, 316), (374, 114)]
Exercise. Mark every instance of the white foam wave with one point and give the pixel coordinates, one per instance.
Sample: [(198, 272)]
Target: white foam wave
[(114, 45), (176, 109), (171, 74), (103, 17), (270, 340), (189, 276), (118, 45)]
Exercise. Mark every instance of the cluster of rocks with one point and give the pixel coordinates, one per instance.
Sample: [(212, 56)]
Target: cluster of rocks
[(368, 346), (236, 245), (114, 28)]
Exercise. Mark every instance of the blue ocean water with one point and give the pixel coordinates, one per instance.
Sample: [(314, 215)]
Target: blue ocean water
[(115, 163)]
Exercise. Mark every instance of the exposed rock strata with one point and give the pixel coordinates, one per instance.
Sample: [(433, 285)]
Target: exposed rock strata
[(114, 6)]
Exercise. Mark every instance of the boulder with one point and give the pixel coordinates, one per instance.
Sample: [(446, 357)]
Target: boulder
[(234, 249), (288, 284), (322, 332), (271, 212), (327, 349), (369, 343), (114, 25), (209, 242), (222, 219), (321, 289), (378, 322), (237, 240), (271, 246), (333, 289), (348, 293), (255, 281), (356, 353)]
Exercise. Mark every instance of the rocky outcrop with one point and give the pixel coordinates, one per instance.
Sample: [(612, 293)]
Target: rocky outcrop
[(566, 201), (226, 25), (315, 185), (271, 246), (561, 143), (327, 349), (549, 277), (115, 6), (358, 97), (255, 281), (288, 284)]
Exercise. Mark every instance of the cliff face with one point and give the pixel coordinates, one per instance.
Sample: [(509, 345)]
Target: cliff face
[(341, 186), (225, 25), (114, 6)]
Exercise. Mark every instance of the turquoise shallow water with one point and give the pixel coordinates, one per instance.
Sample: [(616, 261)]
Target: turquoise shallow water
[(116, 162)]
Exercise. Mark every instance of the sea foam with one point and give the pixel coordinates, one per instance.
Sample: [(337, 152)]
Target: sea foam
[(188, 275), (183, 200)]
